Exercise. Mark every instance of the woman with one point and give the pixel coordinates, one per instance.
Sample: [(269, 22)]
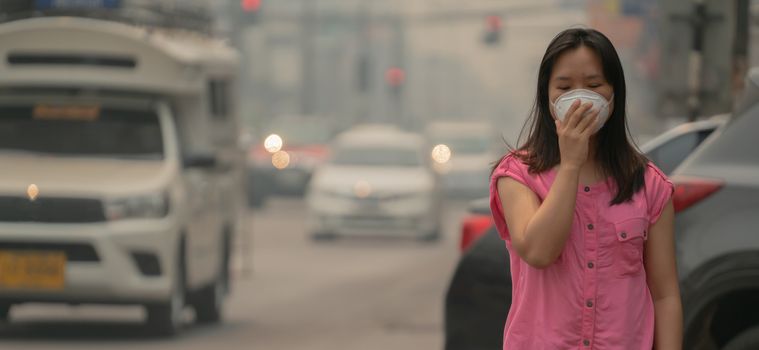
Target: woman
[(587, 219)]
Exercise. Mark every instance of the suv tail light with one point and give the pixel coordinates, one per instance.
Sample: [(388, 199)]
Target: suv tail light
[(689, 191), (472, 227)]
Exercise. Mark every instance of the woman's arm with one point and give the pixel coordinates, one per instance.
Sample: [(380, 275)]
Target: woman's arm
[(661, 272), (539, 231)]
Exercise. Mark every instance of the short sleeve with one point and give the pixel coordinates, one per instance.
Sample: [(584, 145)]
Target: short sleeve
[(509, 166), (659, 190)]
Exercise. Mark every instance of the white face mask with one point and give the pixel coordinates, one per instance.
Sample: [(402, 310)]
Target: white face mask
[(563, 102)]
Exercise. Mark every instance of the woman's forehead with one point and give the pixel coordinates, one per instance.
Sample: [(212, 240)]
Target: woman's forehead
[(582, 62)]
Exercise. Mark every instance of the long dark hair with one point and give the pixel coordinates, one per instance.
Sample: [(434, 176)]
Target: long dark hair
[(615, 151)]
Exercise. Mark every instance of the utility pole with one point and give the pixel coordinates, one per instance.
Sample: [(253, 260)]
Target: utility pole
[(364, 63), (399, 63), (699, 20), (309, 29)]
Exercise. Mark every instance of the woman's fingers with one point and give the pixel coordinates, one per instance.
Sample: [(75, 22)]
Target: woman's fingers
[(572, 108), (577, 116), (588, 122)]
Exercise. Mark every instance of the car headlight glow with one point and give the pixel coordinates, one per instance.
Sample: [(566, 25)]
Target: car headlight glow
[(280, 160), (152, 206), (441, 153), (273, 143)]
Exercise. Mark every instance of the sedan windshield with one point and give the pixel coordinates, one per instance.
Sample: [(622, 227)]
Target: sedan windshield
[(465, 145), (377, 156)]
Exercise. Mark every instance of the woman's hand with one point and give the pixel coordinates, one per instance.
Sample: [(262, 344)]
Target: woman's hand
[(574, 134)]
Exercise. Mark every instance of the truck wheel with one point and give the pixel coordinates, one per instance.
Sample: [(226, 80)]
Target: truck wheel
[(208, 307), (209, 302), (5, 312), (747, 340), (165, 319)]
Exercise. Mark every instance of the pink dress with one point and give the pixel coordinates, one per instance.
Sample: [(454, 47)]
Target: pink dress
[(595, 295)]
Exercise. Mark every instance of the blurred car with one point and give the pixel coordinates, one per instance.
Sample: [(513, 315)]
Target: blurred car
[(109, 192), (479, 294), (283, 162), (670, 148), (717, 200), (476, 223), (464, 153), (378, 181)]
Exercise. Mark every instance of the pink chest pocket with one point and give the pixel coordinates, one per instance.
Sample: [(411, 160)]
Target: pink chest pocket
[(631, 236)]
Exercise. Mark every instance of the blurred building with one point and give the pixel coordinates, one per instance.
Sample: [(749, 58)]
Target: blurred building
[(693, 54), (412, 61), (404, 62)]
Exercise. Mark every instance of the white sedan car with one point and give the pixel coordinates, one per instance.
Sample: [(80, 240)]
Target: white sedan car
[(378, 182), (469, 152)]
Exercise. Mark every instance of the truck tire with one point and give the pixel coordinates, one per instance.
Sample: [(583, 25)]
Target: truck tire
[(165, 319), (208, 306), (746, 340), (209, 301), (5, 312)]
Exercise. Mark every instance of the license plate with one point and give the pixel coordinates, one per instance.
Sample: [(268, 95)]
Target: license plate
[(32, 270)]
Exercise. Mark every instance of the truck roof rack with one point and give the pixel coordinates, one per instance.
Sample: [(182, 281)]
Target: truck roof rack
[(185, 15)]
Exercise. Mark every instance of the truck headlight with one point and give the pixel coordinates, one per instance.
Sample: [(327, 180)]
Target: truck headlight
[(152, 206)]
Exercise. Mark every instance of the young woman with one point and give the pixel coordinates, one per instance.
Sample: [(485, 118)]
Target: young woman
[(587, 219)]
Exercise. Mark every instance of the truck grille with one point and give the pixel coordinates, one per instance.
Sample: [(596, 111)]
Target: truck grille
[(51, 210), (75, 252)]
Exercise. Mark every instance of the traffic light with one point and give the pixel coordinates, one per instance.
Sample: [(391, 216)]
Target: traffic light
[(250, 5), (250, 11), (395, 77), (493, 28)]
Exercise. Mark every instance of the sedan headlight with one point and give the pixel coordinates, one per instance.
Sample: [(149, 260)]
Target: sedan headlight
[(152, 206)]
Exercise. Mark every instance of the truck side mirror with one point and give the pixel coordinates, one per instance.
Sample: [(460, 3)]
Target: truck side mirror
[(200, 160)]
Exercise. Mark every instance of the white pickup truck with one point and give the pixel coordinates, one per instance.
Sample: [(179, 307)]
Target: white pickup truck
[(121, 176)]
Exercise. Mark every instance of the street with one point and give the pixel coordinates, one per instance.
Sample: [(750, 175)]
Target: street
[(292, 293)]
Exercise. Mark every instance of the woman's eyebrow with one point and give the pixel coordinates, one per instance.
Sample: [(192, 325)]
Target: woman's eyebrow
[(593, 76), (563, 78)]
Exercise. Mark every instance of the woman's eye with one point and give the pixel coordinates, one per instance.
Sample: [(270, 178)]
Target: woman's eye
[(563, 88), (593, 86)]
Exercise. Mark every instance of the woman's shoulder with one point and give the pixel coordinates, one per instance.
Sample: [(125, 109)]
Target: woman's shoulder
[(512, 161), (658, 186), (511, 165), (658, 189), (653, 175)]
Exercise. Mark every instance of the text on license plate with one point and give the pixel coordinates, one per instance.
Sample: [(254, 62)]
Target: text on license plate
[(32, 269)]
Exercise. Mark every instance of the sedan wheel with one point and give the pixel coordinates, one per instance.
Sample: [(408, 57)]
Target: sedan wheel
[(747, 340)]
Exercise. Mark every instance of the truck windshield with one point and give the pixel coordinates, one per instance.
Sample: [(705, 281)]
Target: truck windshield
[(76, 130)]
